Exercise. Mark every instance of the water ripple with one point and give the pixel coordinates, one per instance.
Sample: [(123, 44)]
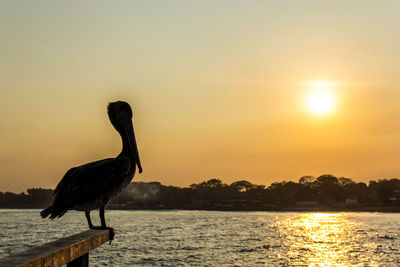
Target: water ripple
[(210, 238)]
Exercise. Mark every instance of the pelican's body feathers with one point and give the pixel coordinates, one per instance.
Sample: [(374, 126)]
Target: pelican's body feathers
[(92, 185)]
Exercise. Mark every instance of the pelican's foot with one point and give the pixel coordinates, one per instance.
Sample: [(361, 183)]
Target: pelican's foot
[(111, 233), (97, 228)]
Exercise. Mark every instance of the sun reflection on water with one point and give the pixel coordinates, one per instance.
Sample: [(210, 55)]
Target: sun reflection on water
[(320, 239)]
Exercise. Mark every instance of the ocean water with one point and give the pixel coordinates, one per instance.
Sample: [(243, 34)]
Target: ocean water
[(215, 238)]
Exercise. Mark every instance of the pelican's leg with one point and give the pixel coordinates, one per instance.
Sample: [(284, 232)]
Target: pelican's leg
[(103, 224), (87, 214), (102, 219)]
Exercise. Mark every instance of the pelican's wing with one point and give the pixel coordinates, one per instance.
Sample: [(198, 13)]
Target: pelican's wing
[(64, 180), (91, 181)]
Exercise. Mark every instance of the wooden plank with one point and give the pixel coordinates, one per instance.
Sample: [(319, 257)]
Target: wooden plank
[(58, 252)]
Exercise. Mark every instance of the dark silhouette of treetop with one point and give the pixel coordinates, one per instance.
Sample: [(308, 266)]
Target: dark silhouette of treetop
[(324, 192)]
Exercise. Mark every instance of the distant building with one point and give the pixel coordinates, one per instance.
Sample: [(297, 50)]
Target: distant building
[(351, 201), (394, 199)]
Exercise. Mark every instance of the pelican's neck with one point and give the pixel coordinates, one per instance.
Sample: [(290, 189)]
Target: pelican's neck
[(126, 147)]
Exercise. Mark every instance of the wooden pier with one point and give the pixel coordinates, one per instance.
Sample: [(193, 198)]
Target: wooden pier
[(72, 250)]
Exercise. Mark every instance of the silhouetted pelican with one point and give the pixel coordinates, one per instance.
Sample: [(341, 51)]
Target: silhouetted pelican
[(93, 185)]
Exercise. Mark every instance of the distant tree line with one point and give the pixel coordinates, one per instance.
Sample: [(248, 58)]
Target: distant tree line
[(33, 198), (325, 190)]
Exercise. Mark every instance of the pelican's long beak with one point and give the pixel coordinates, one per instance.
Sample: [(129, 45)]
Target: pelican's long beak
[(132, 142)]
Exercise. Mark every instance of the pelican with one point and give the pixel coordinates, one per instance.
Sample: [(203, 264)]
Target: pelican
[(92, 185)]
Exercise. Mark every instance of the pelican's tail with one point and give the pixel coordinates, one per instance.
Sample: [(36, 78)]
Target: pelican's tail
[(47, 211), (53, 212)]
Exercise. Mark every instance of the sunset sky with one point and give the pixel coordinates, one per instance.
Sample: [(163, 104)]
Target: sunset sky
[(220, 89)]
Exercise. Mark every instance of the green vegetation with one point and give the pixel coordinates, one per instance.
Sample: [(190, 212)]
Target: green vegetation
[(325, 192)]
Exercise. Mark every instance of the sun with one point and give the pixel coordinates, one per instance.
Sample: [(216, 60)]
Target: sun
[(320, 100)]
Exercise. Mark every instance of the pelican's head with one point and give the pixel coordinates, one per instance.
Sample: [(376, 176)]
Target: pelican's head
[(120, 114)]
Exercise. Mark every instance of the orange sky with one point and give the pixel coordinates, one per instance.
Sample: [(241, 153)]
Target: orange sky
[(217, 88)]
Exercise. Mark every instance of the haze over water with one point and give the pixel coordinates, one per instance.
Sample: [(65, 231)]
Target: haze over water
[(212, 238)]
